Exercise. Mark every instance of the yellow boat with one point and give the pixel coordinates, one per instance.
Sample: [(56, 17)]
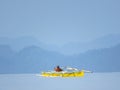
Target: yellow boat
[(67, 72), (63, 74)]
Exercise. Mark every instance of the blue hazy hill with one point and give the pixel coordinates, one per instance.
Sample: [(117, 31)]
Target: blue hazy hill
[(29, 60), (99, 43), (18, 44), (6, 55), (34, 59), (102, 60)]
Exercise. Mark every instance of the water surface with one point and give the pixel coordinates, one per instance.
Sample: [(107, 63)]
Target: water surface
[(91, 81)]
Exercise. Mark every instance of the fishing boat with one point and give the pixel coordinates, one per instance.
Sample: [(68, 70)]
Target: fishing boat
[(69, 72)]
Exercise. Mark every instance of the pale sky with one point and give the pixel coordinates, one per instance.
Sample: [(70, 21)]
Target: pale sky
[(59, 21)]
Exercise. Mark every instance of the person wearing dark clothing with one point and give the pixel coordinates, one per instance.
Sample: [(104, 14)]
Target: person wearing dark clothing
[(58, 69)]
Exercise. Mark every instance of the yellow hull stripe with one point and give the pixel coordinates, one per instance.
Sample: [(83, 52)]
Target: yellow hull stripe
[(65, 74)]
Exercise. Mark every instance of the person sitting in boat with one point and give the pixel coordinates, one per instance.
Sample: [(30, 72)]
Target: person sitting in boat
[(58, 69)]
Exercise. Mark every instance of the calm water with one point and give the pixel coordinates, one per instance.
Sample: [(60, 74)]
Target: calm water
[(91, 81)]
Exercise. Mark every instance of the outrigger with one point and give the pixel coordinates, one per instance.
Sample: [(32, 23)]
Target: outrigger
[(68, 72)]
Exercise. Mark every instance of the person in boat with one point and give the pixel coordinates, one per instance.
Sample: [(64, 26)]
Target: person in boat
[(58, 69)]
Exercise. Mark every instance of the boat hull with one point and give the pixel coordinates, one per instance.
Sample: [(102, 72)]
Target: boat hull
[(63, 74)]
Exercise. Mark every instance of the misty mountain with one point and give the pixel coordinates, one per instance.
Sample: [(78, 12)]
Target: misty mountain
[(29, 60), (103, 42), (18, 44), (102, 60), (6, 55), (34, 59)]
